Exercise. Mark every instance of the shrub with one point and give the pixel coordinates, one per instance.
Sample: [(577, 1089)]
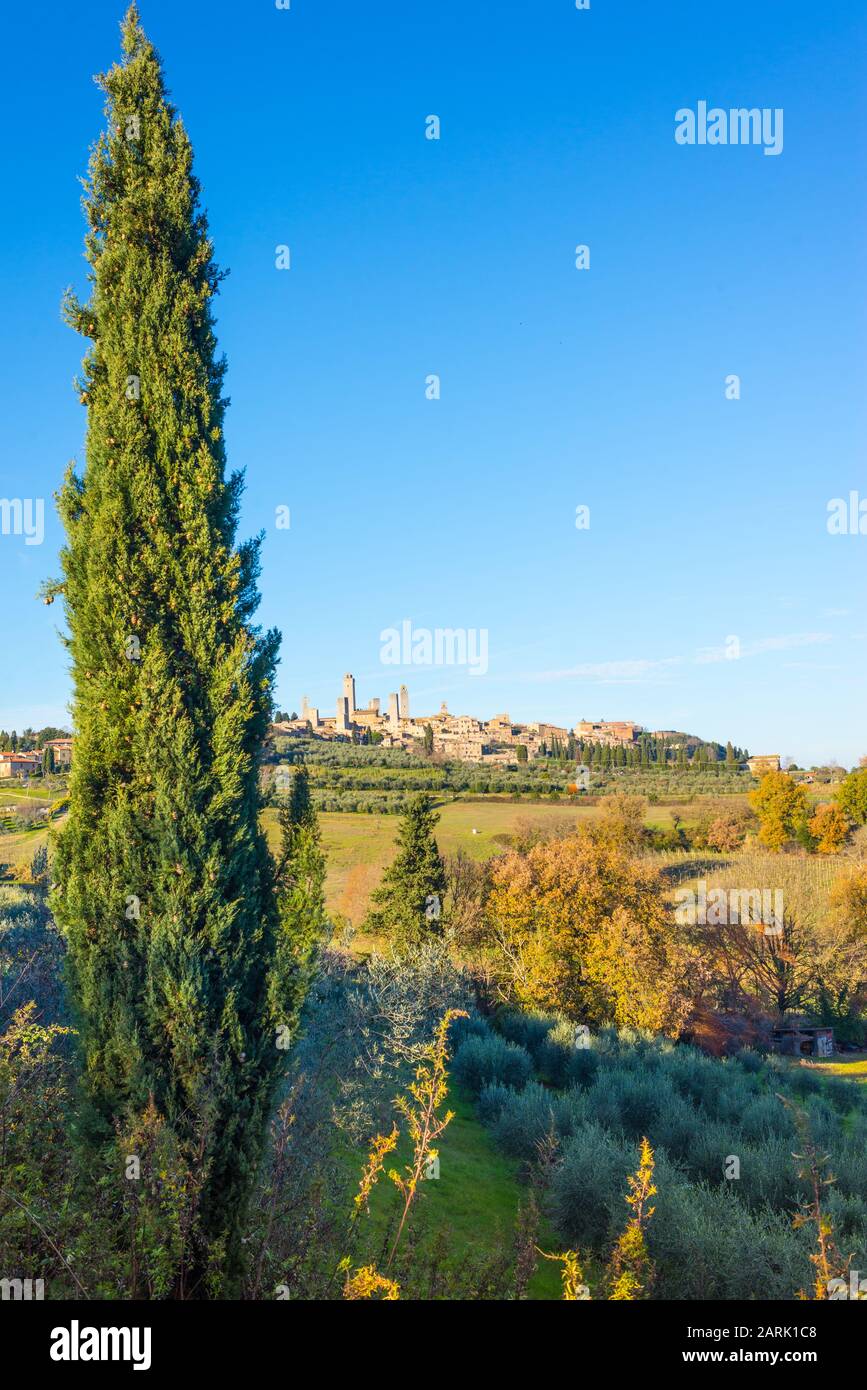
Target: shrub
[(768, 1174), (857, 1132), (848, 1213), (570, 1113), (471, 1026), (493, 1098), (555, 1053), (765, 1117), (824, 1121), (32, 952), (528, 1030), (696, 1077), (583, 1066), (525, 1120), (750, 1061), (708, 1244), (480, 1060), (849, 1165), (627, 1100), (714, 1235), (711, 1144), (842, 1094), (676, 1127), (586, 1196), (804, 1082)]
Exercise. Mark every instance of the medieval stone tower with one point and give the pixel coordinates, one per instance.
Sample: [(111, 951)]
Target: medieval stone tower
[(349, 693)]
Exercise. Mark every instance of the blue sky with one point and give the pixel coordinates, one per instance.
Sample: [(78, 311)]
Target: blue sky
[(559, 387)]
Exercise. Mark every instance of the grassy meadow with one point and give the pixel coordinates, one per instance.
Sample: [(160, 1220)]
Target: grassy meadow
[(475, 1198), (20, 838), (851, 1066), (359, 846)]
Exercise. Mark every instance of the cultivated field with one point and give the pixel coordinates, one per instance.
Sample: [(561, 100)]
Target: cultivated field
[(22, 832), (359, 846)]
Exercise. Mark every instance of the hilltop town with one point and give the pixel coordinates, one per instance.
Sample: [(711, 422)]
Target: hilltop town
[(499, 741), (461, 736)]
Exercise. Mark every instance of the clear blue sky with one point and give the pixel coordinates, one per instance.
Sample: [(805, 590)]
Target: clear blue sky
[(559, 388)]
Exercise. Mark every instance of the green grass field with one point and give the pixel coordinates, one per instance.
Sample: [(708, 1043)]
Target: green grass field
[(851, 1066), (19, 844), (359, 847), (473, 1203)]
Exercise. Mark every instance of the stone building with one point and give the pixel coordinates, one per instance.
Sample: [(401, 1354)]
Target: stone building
[(613, 732), (19, 764), (349, 693), (764, 762)]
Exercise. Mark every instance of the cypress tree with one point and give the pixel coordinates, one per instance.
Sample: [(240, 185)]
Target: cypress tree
[(164, 882), (296, 810), (408, 903), (300, 882)]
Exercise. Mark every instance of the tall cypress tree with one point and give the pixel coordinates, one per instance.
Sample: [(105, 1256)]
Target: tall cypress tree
[(407, 906), (300, 883), (297, 809), (165, 885)]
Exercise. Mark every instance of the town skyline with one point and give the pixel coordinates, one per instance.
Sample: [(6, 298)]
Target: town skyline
[(387, 714), (395, 723)]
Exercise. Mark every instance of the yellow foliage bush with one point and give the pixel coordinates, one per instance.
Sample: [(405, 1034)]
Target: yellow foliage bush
[(578, 924)]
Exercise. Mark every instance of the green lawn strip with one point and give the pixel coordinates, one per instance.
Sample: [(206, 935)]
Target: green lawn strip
[(28, 795), (21, 846), (474, 1200), (850, 1066)]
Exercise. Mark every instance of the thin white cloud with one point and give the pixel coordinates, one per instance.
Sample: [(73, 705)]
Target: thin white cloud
[(656, 670), (633, 671), (786, 642), (811, 666)]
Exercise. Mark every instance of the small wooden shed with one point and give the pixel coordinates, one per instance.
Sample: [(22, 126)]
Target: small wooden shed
[(803, 1040)]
